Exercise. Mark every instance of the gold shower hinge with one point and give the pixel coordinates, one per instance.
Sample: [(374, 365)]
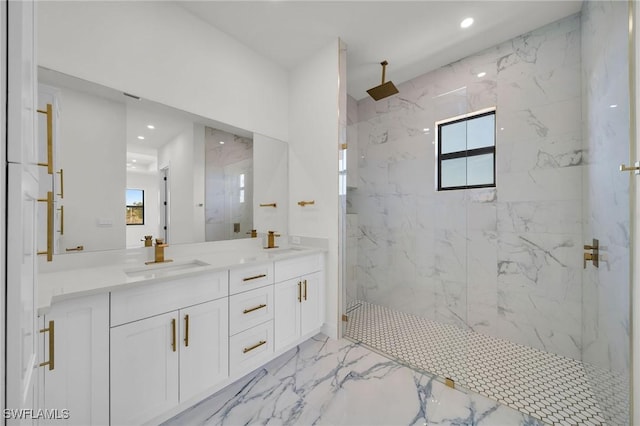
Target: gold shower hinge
[(345, 318), (449, 382)]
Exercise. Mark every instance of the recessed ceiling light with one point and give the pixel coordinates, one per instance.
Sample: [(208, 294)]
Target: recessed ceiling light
[(501, 128), (141, 137), (481, 74), (151, 126), (613, 106), (466, 23), (134, 160), (425, 129), (221, 142)]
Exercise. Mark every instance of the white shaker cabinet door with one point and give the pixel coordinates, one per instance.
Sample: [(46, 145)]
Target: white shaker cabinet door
[(144, 368), (204, 347), (288, 297), (312, 312)]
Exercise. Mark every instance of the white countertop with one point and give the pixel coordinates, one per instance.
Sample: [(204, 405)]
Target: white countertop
[(82, 281)]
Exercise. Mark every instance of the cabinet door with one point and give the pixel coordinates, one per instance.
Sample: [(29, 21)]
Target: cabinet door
[(312, 314), (204, 347), (79, 380), (288, 295), (144, 369)]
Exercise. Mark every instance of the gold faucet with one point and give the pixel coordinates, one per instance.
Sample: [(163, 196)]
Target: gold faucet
[(594, 256), (253, 233), (148, 240), (159, 250), (271, 240)]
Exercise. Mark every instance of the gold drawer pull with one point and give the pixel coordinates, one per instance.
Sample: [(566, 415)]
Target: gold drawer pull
[(173, 334), (61, 210), (255, 277), (49, 201), (299, 291), (305, 289), (61, 193), (274, 205), (246, 311), (186, 330), (52, 340), (257, 345), (49, 113)]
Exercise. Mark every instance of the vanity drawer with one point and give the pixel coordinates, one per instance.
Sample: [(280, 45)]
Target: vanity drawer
[(250, 308), (157, 298), (248, 278), (298, 266), (251, 348)]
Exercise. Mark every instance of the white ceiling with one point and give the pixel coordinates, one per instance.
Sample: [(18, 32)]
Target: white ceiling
[(414, 36)]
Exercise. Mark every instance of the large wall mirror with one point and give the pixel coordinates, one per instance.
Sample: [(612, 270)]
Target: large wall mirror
[(127, 167)]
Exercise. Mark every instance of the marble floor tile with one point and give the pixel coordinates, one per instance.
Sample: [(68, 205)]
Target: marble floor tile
[(338, 382)]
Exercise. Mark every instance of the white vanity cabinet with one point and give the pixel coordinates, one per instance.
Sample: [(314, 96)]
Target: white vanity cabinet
[(298, 297), (164, 358), (77, 377)]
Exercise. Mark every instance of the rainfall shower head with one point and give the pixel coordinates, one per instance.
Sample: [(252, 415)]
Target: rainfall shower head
[(384, 89)]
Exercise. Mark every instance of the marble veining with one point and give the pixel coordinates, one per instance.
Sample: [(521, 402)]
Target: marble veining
[(337, 382)]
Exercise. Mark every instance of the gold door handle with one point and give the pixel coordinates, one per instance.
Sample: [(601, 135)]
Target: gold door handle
[(61, 210), (306, 203), (257, 345), (246, 311), (305, 289), (186, 330), (49, 113), (274, 205), (49, 201), (173, 334), (635, 168), (299, 291), (52, 340), (254, 277), (61, 193)]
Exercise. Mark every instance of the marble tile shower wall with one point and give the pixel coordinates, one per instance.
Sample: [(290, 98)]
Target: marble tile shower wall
[(504, 261)]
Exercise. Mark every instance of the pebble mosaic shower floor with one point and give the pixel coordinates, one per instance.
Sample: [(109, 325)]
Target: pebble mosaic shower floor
[(549, 387)]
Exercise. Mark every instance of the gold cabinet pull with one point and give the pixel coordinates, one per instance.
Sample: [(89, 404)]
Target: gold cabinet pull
[(274, 205), (305, 289), (61, 193), (186, 330), (246, 311), (635, 168), (49, 201), (173, 334), (52, 350), (257, 345), (306, 203), (49, 113), (299, 291), (254, 277), (61, 210), (78, 248)]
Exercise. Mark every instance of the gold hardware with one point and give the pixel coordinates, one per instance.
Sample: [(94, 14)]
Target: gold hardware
[(255, 277), (173, 334), (305, 289), (61, 210), (78, 248), (246, 311), (449, 382), (274, 205), (159, 252), (49, 201), (52, 350), (635, 168), (148, 240), (306, 203), (271, 240), (257, 345), (253, 233), (61, 193), (49, 113), (343, 146), (299, 292), (594, 256), (186, 331), (345, 318)]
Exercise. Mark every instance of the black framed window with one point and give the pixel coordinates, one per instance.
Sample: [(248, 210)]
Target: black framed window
[(467, 152), (135, 207)]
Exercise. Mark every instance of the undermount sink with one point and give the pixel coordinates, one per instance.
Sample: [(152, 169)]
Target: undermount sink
[(160, 269)]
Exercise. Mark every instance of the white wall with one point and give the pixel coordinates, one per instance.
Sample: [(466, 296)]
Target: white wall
[(149, 182), (182, 159), (92, 152), (313, 151), (161, 52)]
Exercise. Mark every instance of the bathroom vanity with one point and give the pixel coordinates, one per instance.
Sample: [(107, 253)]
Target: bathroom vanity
[(128, 343)]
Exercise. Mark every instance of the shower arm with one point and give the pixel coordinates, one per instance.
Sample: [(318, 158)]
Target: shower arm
[(384, 67)]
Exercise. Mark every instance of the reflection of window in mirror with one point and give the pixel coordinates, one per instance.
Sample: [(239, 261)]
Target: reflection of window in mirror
[(242, 188), (135, 207)]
